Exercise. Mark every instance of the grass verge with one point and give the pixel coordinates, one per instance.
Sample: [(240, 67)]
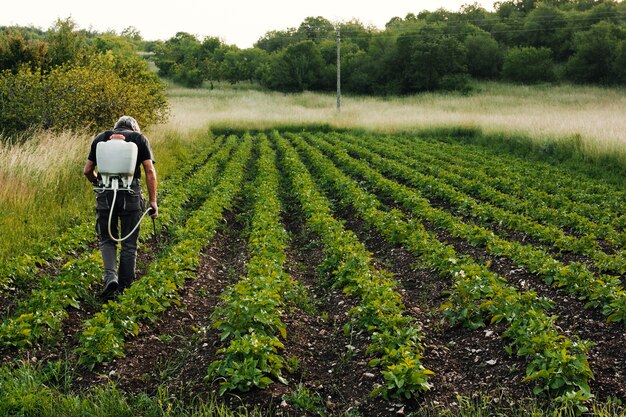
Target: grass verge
[(45, 391)]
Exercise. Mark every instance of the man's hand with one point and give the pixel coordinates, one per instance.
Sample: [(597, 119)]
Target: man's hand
[(154, 213), (88, 170), (151, 183)]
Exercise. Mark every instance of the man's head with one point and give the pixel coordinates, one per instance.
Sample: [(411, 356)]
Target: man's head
[(127, 122)]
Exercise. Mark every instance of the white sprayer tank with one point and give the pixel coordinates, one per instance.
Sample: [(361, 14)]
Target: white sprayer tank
[(116, 158)]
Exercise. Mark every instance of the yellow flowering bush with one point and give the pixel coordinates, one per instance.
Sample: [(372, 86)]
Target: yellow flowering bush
[(81, 96)]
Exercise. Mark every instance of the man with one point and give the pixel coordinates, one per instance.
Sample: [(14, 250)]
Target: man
[(128, 210)]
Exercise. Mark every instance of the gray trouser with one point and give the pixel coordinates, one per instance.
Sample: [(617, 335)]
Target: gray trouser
[(126, 213)]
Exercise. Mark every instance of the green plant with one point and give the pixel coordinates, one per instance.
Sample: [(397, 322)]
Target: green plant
[(250, 313), (380, 311), (476, 291), (64, 98), (302, 399), (247, 361), (292, 364)]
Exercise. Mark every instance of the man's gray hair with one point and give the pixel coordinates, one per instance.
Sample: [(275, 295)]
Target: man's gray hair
[(128, 123)]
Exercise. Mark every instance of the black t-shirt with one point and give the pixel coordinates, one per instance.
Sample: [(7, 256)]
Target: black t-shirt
[(144, 152)]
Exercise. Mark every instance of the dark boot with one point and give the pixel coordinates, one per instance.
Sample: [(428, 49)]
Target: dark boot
[(110, 286)]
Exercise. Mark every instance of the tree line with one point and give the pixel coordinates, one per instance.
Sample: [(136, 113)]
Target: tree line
[(524, 41)]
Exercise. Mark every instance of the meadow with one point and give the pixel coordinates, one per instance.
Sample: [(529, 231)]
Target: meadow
[(542, 113), (427, 255)]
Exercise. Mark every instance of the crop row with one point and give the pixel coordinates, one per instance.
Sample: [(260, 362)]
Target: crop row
[(249, 318), (532, 206), (539, 182), (601, 291), (395, 337), (19, 271), (558, 365), (104, 335), (41, 315), (360, 174), (543, 174), (186, 192)]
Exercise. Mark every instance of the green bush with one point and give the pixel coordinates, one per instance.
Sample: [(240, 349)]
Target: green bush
[(74, 96), (426, 56), (21, 100), (483, 55), (295, 69), (599, 54), (529, 65)]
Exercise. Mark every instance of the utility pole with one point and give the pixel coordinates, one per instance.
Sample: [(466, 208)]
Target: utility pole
[(338, 70)]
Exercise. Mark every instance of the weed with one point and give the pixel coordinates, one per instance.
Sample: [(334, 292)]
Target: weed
[(292, 364), (304, 400)]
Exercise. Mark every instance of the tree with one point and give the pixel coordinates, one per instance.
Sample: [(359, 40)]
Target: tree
[(16, 52), (510, 6), (595, 53), (29, 33), (484, 55), (429, 59), (65, 44), (90, 96), (529, 65), (295, 69), (211, 56), (277, 40), (188, 61), (174, 52), (316, 29), (547, 26), (355, 32), (440, 15), (131, 33), (119, 45), (381, 64), (357, 74), (242, 65), (477, 15), (619, 64)]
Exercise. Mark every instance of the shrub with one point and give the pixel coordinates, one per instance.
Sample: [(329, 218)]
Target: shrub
[(484, 57), (297, 68), (529, 65), (75, 96), (597, 54), (426, 56)]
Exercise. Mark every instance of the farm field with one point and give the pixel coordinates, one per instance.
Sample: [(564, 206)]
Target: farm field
[(335, 272)]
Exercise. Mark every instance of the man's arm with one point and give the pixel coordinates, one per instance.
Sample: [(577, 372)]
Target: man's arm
[(89, 171), (151, 183)]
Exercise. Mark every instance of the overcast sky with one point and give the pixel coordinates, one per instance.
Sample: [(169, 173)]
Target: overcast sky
[(239, 22)]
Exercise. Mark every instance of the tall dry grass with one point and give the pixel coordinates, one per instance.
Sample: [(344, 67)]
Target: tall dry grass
[(43, 190), (27, 167), (41, 185), (543, 113)]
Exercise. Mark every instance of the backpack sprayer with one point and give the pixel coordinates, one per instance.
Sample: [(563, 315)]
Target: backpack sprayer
[(116, 160)]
